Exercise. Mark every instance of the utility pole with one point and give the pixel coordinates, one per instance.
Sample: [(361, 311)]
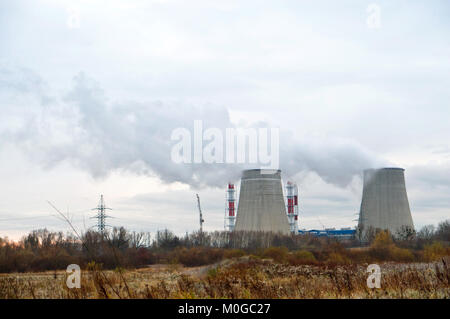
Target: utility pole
[(201, 215), (101, 215)]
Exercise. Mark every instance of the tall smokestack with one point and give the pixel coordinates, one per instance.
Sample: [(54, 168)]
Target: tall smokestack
[(261, 203), (384, 202), (230, 209), (292, 206)]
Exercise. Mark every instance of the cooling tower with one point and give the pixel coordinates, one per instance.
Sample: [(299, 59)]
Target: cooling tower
[(384, 202), (261, 204)]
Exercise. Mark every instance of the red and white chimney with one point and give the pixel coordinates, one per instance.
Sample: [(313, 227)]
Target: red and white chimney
[(230, 209), (292, 206)]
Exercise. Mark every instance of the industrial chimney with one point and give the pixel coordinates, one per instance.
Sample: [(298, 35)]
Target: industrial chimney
[(384, 202), (230, 209), (261, 203), (292, 205)]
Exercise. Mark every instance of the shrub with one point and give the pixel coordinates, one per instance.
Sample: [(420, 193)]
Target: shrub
[(145, 257), (337, 258), (22, 261), (233, 253), (197, 256), (301, 257), (278, 254), (401, 254), (382, 240), (434, 251), (384, 249), (359, 255)]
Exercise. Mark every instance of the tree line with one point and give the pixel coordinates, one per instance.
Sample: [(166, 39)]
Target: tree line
[(43, 250)]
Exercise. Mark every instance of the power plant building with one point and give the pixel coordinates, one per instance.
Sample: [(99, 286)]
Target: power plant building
[(384, 202), (261, 205)]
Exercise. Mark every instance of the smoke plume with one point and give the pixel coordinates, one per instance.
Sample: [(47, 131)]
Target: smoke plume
[(97, 135)]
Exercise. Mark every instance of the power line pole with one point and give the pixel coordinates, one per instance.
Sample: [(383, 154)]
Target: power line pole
[(101, 215)]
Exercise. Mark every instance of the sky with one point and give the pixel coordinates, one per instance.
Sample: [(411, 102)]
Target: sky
[(91, 91)]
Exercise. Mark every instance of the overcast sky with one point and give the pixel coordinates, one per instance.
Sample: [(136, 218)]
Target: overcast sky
[(90, 92)]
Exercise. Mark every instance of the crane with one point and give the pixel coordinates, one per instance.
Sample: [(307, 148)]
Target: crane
[(323, 226), (201, 215)]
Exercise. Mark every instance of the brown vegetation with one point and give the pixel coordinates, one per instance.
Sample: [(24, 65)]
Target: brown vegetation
[(43, 250), (116, 265), (244, 277)]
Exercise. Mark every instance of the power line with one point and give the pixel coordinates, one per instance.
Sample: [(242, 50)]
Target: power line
[(41, 216), (24, 218)]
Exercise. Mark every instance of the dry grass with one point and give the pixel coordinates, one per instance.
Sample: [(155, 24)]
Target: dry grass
[(243, 277)]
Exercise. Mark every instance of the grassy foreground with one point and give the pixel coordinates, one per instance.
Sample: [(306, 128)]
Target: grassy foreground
[(244, 277)]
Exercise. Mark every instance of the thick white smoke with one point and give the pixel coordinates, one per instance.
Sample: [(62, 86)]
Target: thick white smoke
[(97, 135)]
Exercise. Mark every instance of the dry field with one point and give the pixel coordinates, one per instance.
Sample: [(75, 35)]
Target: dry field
[(238, 278)]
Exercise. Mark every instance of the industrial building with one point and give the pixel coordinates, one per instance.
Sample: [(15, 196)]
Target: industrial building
[(343, 233), (384, 203), (261, 205)]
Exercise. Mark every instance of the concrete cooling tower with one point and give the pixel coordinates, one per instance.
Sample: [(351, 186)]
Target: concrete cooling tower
[(261, 204), (384, 202)]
